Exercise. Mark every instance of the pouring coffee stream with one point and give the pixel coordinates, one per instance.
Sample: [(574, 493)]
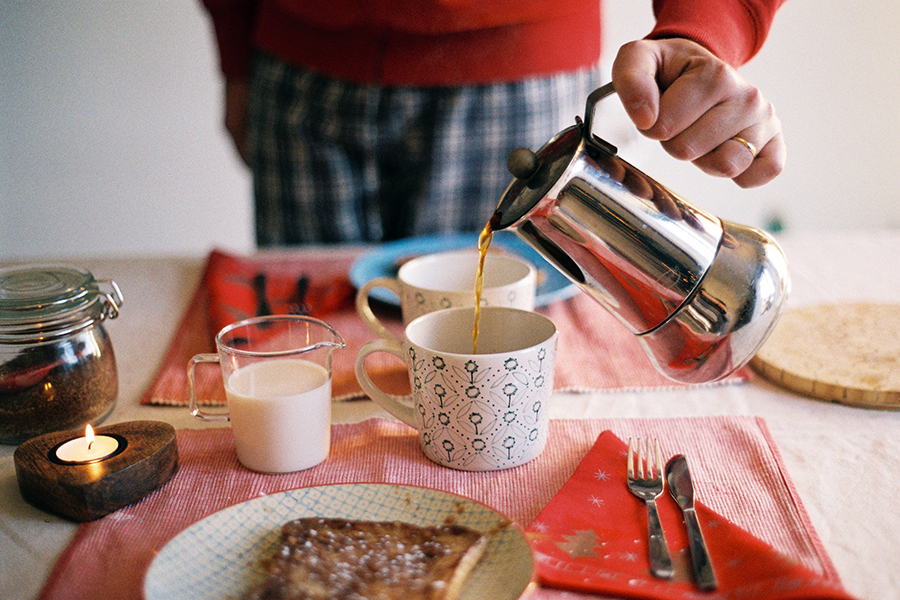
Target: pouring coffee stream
[(701, 294), (484, 242)]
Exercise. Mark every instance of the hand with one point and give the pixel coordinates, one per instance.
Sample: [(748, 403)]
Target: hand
[(236, 94), (679, 93)]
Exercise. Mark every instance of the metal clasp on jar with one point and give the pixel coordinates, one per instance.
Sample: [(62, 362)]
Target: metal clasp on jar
[(114, 300)]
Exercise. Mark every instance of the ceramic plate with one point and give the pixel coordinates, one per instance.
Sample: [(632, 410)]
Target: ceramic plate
[(220, 557), (383, 262)]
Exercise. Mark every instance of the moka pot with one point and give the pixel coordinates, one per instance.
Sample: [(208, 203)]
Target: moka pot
[(701, 294)]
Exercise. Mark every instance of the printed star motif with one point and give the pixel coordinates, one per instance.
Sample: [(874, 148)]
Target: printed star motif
[(601, 476), (581, 543), (596, 501), (540, 526)]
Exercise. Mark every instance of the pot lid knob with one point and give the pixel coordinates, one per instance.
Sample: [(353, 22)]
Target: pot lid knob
[(527, 168), (522, 163)]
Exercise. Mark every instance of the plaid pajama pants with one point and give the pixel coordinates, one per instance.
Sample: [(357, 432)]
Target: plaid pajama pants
[(336, 162)]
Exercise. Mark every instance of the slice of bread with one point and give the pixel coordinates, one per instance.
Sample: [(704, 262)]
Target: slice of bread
[(325, 558)]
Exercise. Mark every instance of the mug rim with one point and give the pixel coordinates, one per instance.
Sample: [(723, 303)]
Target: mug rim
[(511, 259), (551, 334)]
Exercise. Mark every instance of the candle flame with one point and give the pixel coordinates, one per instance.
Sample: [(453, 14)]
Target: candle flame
[(89, 436)]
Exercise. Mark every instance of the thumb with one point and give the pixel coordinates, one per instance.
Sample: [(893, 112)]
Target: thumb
[(634, 77)]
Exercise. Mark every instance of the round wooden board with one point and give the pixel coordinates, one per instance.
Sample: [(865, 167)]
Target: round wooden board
[(846, 353)]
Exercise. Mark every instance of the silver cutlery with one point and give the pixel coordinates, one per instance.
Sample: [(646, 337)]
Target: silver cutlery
[(682, 489), (645, 480)]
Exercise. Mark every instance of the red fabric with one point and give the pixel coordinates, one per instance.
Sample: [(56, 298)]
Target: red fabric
[(109, 557), (456, 42), (394, 58), (230, 280), (735, 33), (225, 294), (592, 537), (595, 351)]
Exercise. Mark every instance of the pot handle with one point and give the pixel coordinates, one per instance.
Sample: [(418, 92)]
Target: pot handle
[(592, 99)]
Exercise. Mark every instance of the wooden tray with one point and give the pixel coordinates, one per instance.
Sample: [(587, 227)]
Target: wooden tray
[(845, 353)]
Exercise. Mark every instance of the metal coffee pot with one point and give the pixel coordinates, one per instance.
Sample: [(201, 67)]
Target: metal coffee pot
[(701, 294)]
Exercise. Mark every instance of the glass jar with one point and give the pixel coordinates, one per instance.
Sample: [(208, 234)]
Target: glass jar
[(57, 366)]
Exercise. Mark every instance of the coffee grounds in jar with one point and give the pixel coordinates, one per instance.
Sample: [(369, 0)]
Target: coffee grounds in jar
[(58, 386)]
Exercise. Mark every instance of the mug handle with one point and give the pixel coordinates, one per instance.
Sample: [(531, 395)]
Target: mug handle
[(195, 407), (365, 311), (403, 411)]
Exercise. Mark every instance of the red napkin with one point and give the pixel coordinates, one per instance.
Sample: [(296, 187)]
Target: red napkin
[(228, 292), (592, 537), (241, 287)]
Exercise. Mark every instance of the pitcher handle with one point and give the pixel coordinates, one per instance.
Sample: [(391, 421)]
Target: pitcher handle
[(592, 100), (194, 404)]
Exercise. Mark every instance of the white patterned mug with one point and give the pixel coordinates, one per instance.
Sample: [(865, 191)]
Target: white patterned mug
[(446, 280), (475, 412)]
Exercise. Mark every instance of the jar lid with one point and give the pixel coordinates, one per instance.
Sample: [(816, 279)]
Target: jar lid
[(38, 300)]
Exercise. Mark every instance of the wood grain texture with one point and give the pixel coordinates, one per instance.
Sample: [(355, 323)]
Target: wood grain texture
[(85, 492), (845, 353)]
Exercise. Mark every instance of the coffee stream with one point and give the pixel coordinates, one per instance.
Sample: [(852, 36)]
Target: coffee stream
[(484, 242)]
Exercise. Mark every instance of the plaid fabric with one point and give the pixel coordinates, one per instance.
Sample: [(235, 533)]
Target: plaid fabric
[(341, 162)]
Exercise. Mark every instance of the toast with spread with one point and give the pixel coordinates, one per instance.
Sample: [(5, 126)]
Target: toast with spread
[(338, 559)]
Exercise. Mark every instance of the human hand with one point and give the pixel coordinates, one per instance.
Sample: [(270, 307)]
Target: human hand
[(695, 104), (236, 94)]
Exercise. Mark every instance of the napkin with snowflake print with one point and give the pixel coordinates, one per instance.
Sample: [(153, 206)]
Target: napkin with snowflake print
[(592, 537)]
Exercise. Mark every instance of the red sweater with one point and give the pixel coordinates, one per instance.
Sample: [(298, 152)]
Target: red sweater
[(455, 42)]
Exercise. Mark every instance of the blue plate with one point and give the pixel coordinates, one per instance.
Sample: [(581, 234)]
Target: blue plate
[(382, 262)]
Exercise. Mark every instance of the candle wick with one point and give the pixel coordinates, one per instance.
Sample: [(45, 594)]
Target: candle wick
[(90, 443)]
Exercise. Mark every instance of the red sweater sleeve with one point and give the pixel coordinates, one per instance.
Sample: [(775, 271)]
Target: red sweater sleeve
[(377, 41), (733, 30), (233, 21)]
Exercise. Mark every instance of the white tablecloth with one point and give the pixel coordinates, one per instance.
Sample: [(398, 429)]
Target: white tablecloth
[(843, 460)]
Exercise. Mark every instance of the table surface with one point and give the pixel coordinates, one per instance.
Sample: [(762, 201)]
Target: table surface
[(843, 460)]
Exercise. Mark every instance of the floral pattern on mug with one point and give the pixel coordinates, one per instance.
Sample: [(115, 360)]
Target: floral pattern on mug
[(478, 417)]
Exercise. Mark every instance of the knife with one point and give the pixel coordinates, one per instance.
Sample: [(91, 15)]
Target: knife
[(682, 489)]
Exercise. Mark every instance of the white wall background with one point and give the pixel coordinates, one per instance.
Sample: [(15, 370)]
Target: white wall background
[(111, 135), (111, 138)]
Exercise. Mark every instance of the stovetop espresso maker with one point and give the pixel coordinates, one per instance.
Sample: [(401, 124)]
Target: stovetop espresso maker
[(701, 294)]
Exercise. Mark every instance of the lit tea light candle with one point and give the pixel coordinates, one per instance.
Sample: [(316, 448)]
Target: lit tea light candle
[(85, 479), (87, 449)]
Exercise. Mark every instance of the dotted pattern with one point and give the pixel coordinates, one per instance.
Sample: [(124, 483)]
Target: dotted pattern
[(480, 416), (219, 557)]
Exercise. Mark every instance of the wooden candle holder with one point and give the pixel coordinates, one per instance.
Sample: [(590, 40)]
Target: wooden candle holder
[(85, 492)]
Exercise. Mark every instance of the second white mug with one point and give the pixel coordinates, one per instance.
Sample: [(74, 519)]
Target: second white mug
[(447, 280)]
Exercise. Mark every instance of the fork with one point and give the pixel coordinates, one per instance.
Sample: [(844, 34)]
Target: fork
[(645, 480)]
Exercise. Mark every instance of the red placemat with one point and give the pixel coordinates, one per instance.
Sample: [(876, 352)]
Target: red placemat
[(737, 469), (595, 351)]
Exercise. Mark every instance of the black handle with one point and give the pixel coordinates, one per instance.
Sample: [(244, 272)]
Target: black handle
[(592, 99)]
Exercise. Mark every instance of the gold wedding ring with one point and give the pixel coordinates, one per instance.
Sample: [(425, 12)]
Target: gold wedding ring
[(746, 144)]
